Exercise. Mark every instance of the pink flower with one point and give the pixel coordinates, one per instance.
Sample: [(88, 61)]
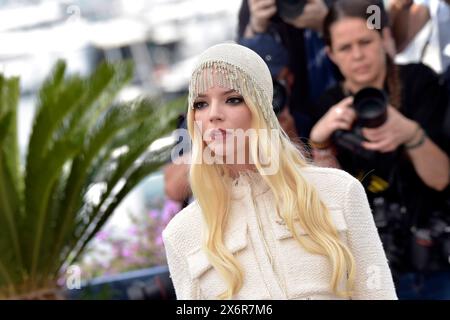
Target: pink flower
[(126, 252), (159, 240), (130, 251), (153, 214), (133, 231), (102, 235), (134, 248), (169, 210)]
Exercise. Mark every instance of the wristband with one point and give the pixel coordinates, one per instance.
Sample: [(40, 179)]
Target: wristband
[(411, 146)]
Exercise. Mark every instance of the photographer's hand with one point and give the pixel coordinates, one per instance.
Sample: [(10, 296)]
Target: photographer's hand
[(340, 116), (429, 160), (260, 13), (396, 131), (312, 16)]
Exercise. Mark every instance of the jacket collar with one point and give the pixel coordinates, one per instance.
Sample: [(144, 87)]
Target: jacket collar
[(248, 182)]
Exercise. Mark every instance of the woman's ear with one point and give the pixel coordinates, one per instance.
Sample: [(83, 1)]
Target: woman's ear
[(388, 42)]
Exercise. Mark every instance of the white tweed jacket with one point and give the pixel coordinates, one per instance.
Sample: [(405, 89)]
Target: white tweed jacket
[(275, 264)]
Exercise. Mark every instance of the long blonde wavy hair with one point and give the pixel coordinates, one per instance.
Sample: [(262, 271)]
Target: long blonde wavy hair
[(296, 199)]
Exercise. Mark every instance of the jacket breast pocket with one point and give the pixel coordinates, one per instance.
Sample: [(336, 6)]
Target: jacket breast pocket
[(211, 283), (306, 274), (200, 270)]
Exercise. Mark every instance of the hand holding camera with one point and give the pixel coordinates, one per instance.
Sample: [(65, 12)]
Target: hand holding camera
[(260, 13), (365, 123), (299, 13), (340, 117), (309, 13), (396, 131)]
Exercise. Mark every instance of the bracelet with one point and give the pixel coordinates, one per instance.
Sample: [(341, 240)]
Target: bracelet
[(320, 145), (418, 143), (413, 137), (323, 153)]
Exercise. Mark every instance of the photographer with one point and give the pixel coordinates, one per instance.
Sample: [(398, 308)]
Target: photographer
[(269, 48), (399, 154), (298, 24)]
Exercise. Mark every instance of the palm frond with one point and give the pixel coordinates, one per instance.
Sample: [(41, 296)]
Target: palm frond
[(44, 218), (9, 98), (44, 165), (10, 182), (152, 163), (101, 88), (136, 141)]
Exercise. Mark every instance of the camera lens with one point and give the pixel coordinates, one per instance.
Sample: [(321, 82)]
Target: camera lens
[(371, 107), (290, 9)]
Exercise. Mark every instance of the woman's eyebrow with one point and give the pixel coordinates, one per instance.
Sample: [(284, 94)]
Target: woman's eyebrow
[(201, 95), (228, 92)]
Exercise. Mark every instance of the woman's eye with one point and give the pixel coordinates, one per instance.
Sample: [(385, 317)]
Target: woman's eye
[(200, 105), (235, 100)]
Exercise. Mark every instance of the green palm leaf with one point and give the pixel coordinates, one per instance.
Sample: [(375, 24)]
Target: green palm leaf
[(10, 184), (44, 218), (153, 162)]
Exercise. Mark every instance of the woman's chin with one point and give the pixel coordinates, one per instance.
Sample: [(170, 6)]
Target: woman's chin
[(220, 152), (365, 80)]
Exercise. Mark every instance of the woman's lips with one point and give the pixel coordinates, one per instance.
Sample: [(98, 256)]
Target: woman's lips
[(362, 69), (218, 134)]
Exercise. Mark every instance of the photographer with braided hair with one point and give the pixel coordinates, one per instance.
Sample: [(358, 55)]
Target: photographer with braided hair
[(400, 156)]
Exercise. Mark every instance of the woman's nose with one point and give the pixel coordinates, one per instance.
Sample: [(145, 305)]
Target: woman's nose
[(357, 52), (215, 112)]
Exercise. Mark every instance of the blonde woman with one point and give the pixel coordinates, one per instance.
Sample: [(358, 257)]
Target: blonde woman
[(267, 225)]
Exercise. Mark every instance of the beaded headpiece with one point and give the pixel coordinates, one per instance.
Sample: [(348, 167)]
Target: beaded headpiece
[(236, 67)]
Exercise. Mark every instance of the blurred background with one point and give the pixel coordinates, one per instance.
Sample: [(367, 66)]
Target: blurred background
[(125, 259), (162, 38)]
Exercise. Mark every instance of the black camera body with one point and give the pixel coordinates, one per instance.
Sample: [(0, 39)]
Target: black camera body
[(430, 245), (370, 105), (391, 220), (408, 247), (290, 9)]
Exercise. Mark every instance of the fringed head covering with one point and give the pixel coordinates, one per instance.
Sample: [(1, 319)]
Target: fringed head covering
[(236, 67)]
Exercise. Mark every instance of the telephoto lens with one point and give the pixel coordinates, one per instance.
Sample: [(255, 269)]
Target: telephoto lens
[(371, 107)]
